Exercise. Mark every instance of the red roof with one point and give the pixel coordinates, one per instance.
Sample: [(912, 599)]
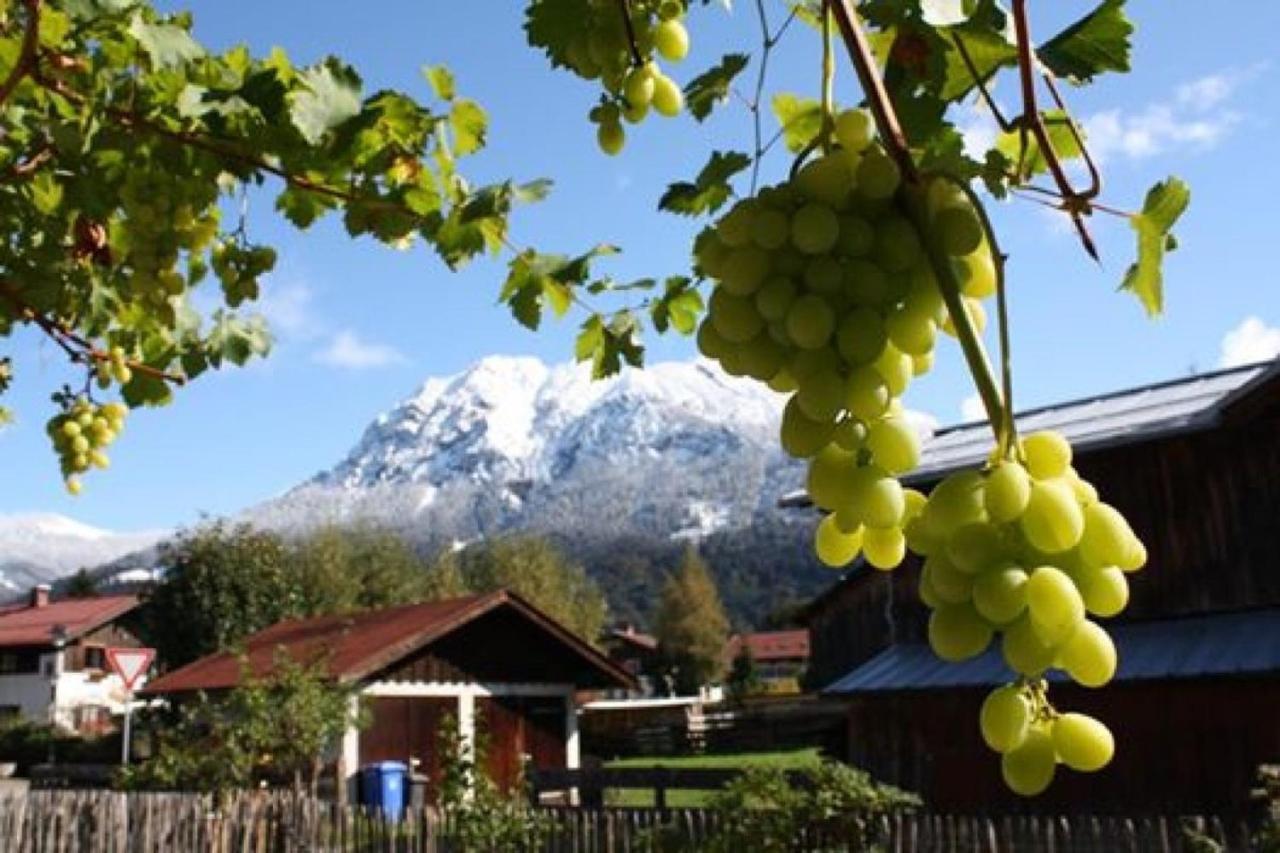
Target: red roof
[(354, 646), (33, 626), (772, 645)]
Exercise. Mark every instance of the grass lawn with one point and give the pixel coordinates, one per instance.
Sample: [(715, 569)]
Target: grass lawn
[(796, 759)]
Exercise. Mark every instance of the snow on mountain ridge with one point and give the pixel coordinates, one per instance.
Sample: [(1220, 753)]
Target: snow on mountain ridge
[(46, 545)]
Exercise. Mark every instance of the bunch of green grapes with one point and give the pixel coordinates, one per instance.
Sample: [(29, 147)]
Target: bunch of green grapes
[(81, 434), (161, 220), (824, 291), (115, 367), (603, 51), (1026, 551)]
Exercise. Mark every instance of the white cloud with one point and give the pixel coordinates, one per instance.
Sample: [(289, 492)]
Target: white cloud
[(971, 408), (925, 423), (347, 351), (1251, 341), (288, 309)]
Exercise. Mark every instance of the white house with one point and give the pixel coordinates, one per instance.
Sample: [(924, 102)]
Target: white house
[(53, 666)]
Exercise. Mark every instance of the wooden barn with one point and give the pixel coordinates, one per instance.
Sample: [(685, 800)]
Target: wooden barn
[(1194, 464), (493, 658)]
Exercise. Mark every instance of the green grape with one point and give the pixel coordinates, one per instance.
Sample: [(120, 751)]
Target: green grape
[(977, 317), (826, 180), (762, 357), (1024, 650), (824, 274), (1089, 655), (1005, 718), (861, 336), (1028, 768), (884, 547), (923, 297), (1052, 521), (1085, 493), (611, 137), (710, 342), (670, 10), (854, 129), (789, 262), (802, 436), (913, 334), (856, 236), (957, 632), (80, 444), (847, 519), (775, 297), (836, 548), (952, 585), (814, 229), (1006, 492), (710, 252), (821, 395), (1082, 743), (783, 382), (977, 273), (895, 368), (921, 364), (924, 587), (667, 97), (735, 227), (878, 176), (831, 478), (894, 444), (1135, 557), (1000, 594), (878, 497), (897, 246), (805, 362), (771, 229), (1048, 454), (1054, 603), (745, 268), (99, 459), (74, 486), (1106, 537), (866, 283), (671, 40), (734, 317), (638, 87), (958, 229), (957, 500), (810, 322), (70, 429), (943, 193), (975, 546), (1105, 591), (866, 395), (850, 434)]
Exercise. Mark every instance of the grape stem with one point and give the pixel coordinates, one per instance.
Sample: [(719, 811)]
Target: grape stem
[(828, 79), (636, 58), (26, 61), (767, 43)]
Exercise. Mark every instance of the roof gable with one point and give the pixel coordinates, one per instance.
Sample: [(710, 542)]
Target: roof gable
[(356, 647), (34, 626)]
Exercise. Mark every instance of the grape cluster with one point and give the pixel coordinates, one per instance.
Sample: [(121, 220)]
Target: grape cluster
[(81, 434), (603, 51), (1026, 550), (161, 219), (824, 291)]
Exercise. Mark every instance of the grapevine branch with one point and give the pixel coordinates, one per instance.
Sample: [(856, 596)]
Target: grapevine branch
[(27, 58), (77, 348), (768, 41), (636, 57)]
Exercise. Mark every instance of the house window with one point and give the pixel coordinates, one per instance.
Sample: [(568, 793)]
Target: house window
[(8, 663), (94, 658), (18, 661)]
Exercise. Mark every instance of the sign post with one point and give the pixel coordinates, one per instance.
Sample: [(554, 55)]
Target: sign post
[(130, 665)]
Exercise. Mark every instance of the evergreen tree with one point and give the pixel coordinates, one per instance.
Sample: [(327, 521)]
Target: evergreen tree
[(744, 677), (691, 625), (82, 585)]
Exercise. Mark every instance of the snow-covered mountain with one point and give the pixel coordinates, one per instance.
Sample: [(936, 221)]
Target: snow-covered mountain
[(676, 450), (42, 547)]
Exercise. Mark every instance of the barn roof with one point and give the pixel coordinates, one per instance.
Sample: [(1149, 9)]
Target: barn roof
[(771, 645), (1092, 423), (354, 647), (34, 625), (1217, 644)]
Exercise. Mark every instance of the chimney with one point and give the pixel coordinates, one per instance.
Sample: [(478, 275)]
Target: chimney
[(40, 595)]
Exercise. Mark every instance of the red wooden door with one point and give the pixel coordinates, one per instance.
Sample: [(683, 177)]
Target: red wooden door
[(406, 728), (515, 726)]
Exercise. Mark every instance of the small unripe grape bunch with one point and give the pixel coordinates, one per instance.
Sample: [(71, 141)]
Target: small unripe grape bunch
[(81, 433), (604, 51), (1033, 738)]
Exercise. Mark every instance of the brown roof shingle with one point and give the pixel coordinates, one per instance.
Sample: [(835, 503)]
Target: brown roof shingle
[(33, 626)]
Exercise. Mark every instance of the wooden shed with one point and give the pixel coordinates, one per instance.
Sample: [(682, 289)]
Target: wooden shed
[(492, 657), (1194, 464)]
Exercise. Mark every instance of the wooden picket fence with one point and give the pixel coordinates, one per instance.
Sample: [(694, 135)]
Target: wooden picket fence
[(114, 822)]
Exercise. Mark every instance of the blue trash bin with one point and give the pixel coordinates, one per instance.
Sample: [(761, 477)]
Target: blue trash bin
[(382, 787)]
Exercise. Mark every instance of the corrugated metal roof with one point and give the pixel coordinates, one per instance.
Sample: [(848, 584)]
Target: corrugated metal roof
[(1219, 644), (33, 626), (1103, 420)]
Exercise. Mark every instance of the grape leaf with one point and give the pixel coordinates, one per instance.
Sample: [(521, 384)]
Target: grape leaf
[(1165, 202), (712, 86), (710, 190), (801, 119), (168, 45), (469, 123), (679, 307), (1060, 136), (1096, 43), (441, 80), (330, 97), (946, 13)]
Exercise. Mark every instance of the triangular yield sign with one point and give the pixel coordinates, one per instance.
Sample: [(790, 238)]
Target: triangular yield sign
[(130, 664)]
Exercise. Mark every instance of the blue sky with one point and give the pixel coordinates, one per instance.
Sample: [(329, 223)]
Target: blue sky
[(361, 326)]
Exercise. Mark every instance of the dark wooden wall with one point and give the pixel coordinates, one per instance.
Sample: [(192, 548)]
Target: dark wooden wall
[(1181, 748), (403, 728), (516, 726), (111, 635), (1207, 505)]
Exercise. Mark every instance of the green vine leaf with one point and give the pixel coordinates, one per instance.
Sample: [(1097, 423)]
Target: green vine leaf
[(679, 308), (801, 119), (946, 13), (167, 45), (441, 81), (469, 124), (1164, 204), (1057, 123), (330, 96), (712, 86), (1096, 43), (709, 191)]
